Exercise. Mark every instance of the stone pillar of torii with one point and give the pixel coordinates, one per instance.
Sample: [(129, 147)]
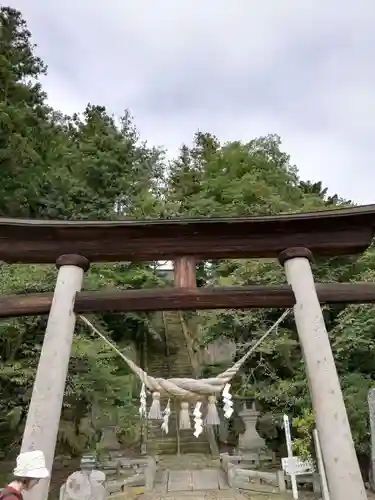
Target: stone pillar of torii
[(340, 459), (341, 464), (43, 417)]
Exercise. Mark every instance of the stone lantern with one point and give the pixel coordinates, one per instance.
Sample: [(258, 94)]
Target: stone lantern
[(250, 441)]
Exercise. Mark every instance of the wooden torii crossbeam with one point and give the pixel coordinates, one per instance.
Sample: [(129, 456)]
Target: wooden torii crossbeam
[(187, 299), (330, 232), (293, 239)]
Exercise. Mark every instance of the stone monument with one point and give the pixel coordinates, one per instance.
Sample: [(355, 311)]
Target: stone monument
[(109, 441), (109, 444)]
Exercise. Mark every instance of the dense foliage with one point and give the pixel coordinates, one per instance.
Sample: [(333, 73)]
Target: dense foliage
[(91, 166)]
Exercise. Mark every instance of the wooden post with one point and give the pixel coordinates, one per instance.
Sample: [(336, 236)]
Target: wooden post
[(340, 460), (186, 277), (185, 272), (320, 463), (43, 417)]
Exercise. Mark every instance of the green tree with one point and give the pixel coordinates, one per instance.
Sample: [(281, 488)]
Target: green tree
[(257, 178), (61, 167)]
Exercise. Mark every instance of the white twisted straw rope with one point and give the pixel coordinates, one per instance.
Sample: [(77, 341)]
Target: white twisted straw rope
[(186, 388)]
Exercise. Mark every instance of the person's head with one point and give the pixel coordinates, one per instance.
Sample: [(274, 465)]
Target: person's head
[(30, 468)]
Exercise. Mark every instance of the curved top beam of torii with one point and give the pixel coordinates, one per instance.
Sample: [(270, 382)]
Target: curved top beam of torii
[(328, 232)]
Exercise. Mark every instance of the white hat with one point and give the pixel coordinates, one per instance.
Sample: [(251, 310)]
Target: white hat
[(31, 464)]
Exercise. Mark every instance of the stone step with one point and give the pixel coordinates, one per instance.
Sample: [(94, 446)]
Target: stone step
[(161, 443), (179, 365), (196, 446), (171, 448)]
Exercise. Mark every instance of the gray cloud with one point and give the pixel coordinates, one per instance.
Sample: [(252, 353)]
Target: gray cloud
[(239, 69)]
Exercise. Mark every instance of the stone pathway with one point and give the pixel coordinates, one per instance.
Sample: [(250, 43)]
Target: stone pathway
[(199, 477), (189, 461), (190, 480), (196, 477), (199, 495)]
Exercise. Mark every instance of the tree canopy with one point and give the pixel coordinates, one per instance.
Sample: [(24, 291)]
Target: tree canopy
[(93, 166)]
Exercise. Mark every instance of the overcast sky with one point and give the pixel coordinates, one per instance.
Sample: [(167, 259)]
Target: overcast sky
[(303, 69)]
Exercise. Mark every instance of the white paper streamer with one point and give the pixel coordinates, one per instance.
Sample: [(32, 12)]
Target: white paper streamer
[(212, 416), (198, 428), (227, 400), (142, 399), (155, 410), (184, 416), (167, 412)]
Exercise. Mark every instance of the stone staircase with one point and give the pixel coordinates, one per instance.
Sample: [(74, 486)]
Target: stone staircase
[(174, 363)]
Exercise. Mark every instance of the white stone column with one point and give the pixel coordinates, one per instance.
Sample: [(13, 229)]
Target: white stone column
[(340, 460), (43, 417)]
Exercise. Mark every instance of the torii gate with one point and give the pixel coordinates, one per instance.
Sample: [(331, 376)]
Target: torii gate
[(292, 238)]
